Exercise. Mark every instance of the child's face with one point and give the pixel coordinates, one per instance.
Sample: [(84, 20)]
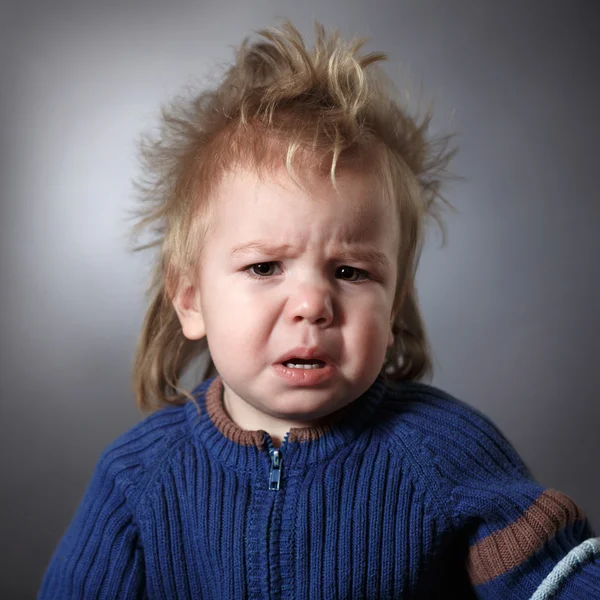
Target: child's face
[(283, 275)]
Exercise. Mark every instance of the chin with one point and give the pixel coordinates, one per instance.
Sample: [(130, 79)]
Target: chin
[(305, 409)]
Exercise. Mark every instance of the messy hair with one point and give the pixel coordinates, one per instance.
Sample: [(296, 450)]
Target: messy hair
[(329, 108)]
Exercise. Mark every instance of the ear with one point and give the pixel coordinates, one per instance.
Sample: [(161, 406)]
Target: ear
[(390, 339), (391, 336), (189, 310)]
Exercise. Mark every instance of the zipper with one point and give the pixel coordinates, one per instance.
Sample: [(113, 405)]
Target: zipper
[(276, 457)]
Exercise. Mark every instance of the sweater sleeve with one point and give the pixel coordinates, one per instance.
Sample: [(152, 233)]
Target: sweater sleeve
[(524, 541), (100, 555)]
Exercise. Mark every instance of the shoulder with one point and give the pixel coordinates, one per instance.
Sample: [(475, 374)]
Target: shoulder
[(445, 432), (158, 433), (426, 409), (128, 462)]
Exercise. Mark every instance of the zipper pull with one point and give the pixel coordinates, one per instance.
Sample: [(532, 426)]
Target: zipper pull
[(275, 475)]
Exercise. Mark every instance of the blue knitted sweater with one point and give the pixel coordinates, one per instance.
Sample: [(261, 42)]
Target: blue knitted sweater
[(406, 493)]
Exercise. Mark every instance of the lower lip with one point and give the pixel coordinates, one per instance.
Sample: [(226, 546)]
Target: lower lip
[(304, 376)]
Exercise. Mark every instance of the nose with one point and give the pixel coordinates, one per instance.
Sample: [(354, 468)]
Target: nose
[(311, 303)]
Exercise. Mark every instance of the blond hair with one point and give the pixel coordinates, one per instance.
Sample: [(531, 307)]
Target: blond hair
[(282, 102)]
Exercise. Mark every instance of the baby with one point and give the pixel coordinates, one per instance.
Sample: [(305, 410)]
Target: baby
[(312, 462)]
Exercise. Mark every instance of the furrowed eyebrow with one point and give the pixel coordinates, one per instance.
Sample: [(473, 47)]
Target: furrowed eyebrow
[(365, 255), (351, 255), (261, 247)]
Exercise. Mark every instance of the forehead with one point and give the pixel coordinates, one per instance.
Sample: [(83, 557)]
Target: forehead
[(275, 205)]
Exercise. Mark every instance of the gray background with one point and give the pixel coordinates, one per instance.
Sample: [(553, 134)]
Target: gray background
[(511, 302)]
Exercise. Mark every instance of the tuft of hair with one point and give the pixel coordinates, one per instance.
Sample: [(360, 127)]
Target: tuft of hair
[(325, 109)]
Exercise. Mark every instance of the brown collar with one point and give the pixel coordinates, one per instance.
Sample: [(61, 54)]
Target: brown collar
[(223, 422)]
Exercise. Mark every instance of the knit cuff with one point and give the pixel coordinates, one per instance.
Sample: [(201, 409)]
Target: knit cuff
[(576, 576)]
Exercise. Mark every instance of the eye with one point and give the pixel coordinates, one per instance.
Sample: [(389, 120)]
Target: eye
[(265, 269), (348, 273)]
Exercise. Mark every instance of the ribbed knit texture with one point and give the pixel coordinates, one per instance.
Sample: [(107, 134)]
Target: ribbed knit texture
[(407, 493)]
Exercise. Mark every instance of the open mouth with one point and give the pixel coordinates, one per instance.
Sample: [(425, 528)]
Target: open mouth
[(305, 372), (301, 363)]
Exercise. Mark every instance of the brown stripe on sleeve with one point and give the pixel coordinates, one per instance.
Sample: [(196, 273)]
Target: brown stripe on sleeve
[(507, 548)]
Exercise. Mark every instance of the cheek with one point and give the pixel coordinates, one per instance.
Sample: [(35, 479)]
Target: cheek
[(371, 329), (373, 336), (236, 319)]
